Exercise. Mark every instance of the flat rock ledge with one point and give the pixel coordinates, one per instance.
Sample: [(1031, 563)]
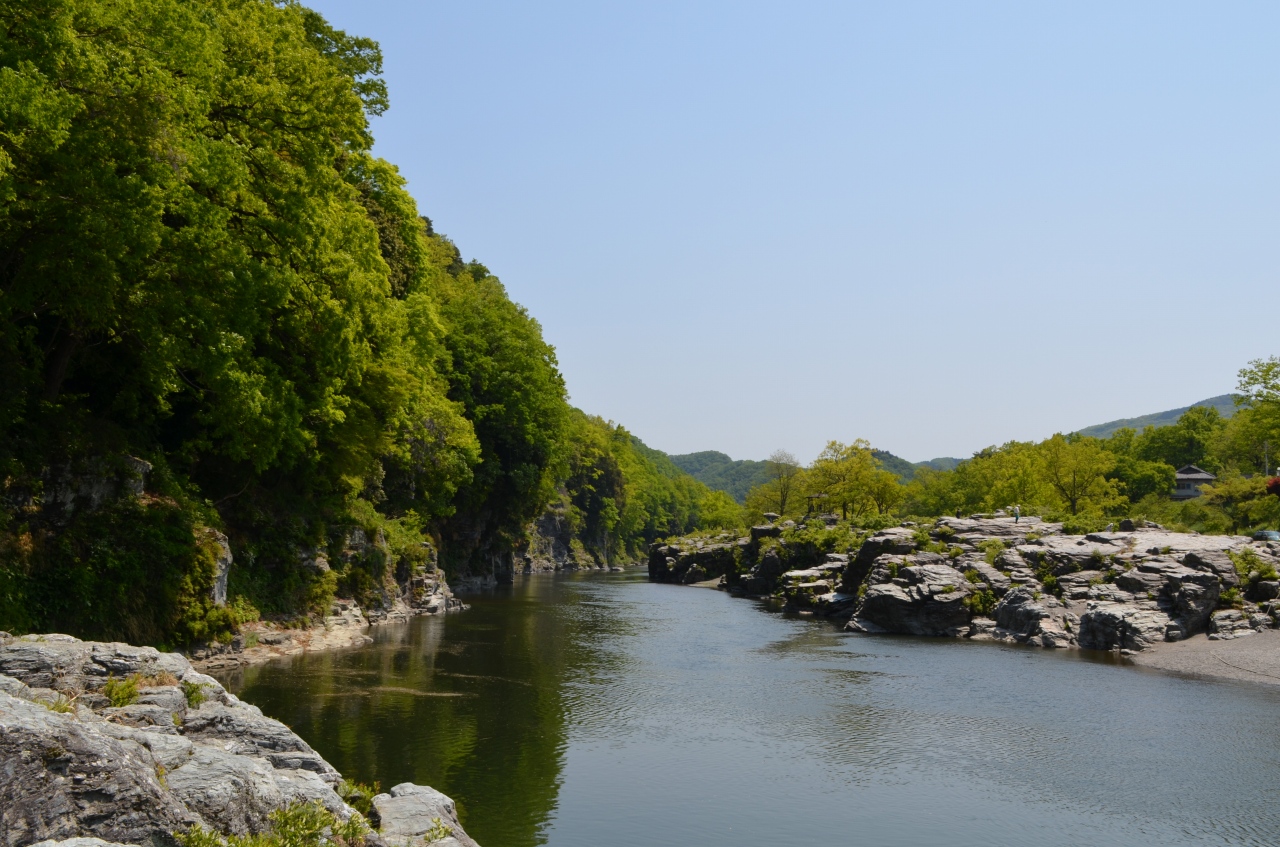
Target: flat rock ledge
[(77, 772)]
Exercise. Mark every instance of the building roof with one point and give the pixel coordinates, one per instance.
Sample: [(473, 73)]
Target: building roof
[(1191, 472)]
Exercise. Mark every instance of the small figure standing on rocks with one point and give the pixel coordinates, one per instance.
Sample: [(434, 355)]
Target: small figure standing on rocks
[(1017, 513)]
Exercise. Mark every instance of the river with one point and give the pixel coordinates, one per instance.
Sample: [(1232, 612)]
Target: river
[(600, 710)]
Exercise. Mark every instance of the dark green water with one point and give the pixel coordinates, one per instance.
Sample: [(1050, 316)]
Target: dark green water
[(602, 711)]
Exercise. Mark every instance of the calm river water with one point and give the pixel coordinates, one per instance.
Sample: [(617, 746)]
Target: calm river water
[(603, 711)]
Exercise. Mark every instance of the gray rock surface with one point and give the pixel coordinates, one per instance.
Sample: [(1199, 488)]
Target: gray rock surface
[(141, 773), (1125, 591), (409, 811), (925, 598)]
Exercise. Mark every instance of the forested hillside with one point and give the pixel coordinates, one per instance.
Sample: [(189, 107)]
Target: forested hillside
[(220, 313), (718, 471)]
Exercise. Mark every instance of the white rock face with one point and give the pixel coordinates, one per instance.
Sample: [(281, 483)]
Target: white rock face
[(96, 776), (410, 811)]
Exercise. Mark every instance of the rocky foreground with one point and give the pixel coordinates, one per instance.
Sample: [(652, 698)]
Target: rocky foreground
[(183, 753), (991, 577)]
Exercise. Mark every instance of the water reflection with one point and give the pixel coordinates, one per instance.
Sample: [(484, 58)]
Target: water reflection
[(601, 710), (472, 704)]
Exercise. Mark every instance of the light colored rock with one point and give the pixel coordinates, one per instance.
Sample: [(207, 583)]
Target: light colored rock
[(137, 777), (408, 811), (62, 778), (234, 794)]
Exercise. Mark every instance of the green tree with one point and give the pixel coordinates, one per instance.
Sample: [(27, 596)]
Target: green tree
[(783, 473), (1077, 468), (1188, 442)]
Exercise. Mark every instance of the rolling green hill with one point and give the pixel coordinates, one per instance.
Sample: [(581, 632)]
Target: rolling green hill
[(718, 471), (1224, 403)]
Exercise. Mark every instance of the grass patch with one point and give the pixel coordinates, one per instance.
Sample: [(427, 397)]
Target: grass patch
[(122, 692)]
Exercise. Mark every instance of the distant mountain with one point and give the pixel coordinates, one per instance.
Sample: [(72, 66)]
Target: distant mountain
[(738, 476), (716, 470), (1224, 403)]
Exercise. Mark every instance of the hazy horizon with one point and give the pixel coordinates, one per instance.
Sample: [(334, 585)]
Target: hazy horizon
[(935, 226)]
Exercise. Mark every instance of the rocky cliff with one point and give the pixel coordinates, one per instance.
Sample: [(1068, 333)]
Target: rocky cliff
[(991, 577), (133, 746)]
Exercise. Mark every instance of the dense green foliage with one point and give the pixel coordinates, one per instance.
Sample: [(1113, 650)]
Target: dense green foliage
[(203, 266)]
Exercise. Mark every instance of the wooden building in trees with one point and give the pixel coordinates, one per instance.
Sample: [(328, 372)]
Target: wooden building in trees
[(1188, 482)]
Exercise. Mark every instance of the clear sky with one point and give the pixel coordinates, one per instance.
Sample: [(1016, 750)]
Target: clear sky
[(936, 226)]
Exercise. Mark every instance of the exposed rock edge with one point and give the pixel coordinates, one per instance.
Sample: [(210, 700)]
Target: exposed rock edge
[(74, 768)]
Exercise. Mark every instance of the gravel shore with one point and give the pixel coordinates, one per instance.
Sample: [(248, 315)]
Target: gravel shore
[(1253, 658)]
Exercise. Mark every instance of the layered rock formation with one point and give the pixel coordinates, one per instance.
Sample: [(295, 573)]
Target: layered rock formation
[(1027, 582), (991, 577), (179, 752)]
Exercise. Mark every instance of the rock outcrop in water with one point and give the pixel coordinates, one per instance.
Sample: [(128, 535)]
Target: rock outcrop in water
[(991, 577), (184, 752)]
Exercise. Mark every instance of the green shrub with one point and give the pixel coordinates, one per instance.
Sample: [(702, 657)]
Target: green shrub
[(439, 831), (973, 576), (122, 692), (981, 604), (359, 796), (194, 692), (991, 549), (1250, 566), (298, 825), (1231, 599)]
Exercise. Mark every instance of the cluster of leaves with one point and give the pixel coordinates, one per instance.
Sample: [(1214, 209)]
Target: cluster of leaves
[(122, 692), (981, 603), (359, 796), (1251, 567)]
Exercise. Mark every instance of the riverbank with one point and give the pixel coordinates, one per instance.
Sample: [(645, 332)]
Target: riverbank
[(347, 625), (136, 747)]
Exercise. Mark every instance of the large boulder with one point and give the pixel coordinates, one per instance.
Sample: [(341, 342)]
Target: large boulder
[(1121, 626), (409, 812), (926, 598), (897, 540), (1029, 616), (62, 778), (1215, 562)]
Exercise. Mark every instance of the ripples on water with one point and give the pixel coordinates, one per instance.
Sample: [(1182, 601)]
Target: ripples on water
[(602, 711)]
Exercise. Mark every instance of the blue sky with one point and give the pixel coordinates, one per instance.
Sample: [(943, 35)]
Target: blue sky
[(936, 226)]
